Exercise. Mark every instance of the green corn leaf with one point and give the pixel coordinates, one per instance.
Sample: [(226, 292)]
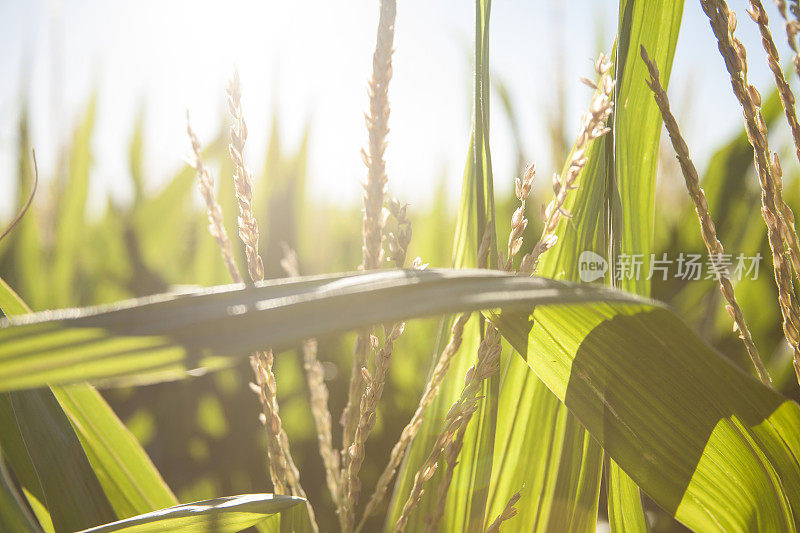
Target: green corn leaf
[(574, 465), (625, 511), (162, 337), (10, 303), (14, 514), (477, 191), (543, 451), (128, 477), (550, 454), (716, 448), (219, 515), (637, 127), (46, 454), (71, 214), (466, 499), (130, 481), (292, 520), (539, 443), (11, 443), (468, 492), (72, 493), (636, 133), (709, 444), (17, 458)]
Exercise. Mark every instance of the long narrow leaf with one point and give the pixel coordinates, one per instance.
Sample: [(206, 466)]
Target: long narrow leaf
[(670, 410), (73, 495), (220, 515), (637, 129), (540, 444), (466, 498), (636, 133), (709, 444), (71, 213), (16, 456), (14, 515), (163, 337), (128, 477), (46, 453)]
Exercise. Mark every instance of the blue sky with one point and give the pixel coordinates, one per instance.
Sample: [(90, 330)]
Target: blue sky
[(312, 58)]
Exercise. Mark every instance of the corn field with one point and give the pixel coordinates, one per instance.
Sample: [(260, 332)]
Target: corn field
[(593, 354)]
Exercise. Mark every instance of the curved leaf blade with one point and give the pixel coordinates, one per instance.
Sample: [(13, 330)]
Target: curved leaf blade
[(72, 493), (707, 442), (467, 496), (128, 477), (14, 514), (164, 336), (46, 455), (636, 134), (220, 515)]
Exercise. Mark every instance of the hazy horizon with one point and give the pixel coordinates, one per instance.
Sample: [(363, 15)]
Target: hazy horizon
[(310, 61)]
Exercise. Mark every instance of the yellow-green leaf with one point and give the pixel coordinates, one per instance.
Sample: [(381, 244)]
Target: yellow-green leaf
[(220, 515)]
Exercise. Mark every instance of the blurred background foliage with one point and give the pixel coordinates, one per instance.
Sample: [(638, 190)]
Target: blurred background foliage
[(203, 434)]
